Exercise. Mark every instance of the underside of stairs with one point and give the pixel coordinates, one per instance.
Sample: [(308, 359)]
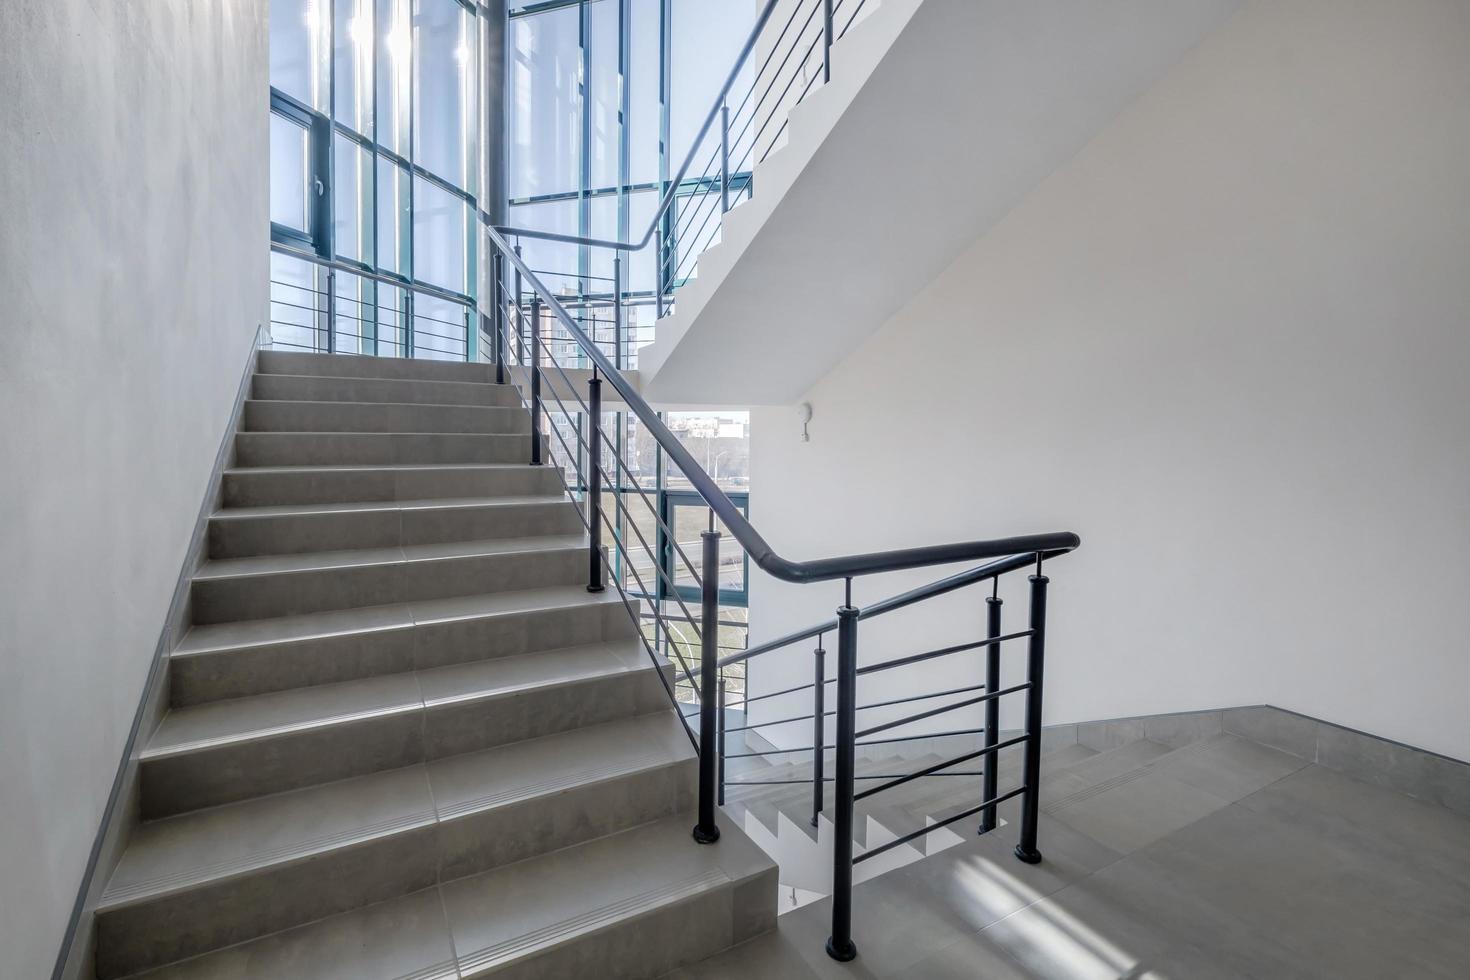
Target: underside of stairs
[(403, 738)]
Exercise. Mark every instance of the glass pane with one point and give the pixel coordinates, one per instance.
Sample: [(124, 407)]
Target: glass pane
[(545, 127), (295, 301), (644, 111), (443, 96), (440, 224), (395, 63), (352, 200), (391, 321), (290, 174), (352, 99), (394, 218), (438, 329), (690, 520), (706, 38), (719, 440), (555, 263), (604, 92), (356, 319), (298, 35)]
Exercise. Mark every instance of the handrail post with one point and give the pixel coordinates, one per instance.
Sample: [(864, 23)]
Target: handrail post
[(497, 290), (520, 313), (992, 708), (1035, 668), (725, 158), (840, 945), (707, 831), (819, 711), (826, 41), (536, 380), (332, 311), (619, 327), (724, 746), (594, 483)]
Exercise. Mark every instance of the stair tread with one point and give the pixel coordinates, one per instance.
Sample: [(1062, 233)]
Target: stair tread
[(217, 637), (219, 723), (376, 467), (224, 568), (340, 402), (178, 853), (499, 916), (542, 902), (375, 506)]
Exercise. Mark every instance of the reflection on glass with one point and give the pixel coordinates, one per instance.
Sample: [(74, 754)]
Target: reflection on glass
[(352, 200), (394, 64), (438, 328), (545, 126), (295, 300), (299, 31), (439, 230), (443, 114), (290, 174), (352, 95), (718, 440)]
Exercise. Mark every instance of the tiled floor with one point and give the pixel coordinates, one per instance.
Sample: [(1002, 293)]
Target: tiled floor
[(1233, 860)]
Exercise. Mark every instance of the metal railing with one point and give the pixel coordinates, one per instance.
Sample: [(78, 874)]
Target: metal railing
[(743, 125), (525, 314)]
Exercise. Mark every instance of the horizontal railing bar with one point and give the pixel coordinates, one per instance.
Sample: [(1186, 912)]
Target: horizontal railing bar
[(876, 741), (899, 842), (939, 587), (942, 652), (929, 770), (994, 695), (922, 697), (790, 690), (831, 779)]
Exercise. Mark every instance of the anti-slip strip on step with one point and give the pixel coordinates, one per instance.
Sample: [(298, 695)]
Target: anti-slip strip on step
[(580, 777), (447, 970), (278, 731), (592, 920), (255, 861)]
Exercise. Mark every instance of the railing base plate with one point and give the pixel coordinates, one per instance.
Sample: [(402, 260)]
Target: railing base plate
[(704, 836), (842, 954), (1029, 857)]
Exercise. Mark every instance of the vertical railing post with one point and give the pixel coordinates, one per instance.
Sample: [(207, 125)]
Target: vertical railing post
[(332, 311), (706, 831), (992, 707), (724, 747), (1035, 670), (535, 368), (826, 41), (619, 338), (520, 315), (497, 290), (840, 945), (819, 726), (724, 157), (594, 482)]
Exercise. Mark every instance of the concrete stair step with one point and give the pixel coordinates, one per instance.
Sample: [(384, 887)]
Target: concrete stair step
[(311, 388), (634, 905), (379, 448), (269, 586), (246, 532), (240, 659), (288, 485), (228, 751), (381, 417), (190, 884), (350, 366)]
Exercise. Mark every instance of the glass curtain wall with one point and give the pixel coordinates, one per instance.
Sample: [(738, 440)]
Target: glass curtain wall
[(375, 162), (603, 99)]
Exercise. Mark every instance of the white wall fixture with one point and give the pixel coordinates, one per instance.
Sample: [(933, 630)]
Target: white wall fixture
[(804, 412)]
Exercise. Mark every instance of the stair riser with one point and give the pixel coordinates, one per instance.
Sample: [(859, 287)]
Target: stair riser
[(378, 448), (227, 600), (237, 771), (342, 366), (267, 668), (149, 935), (398, 863), (244, 537), (246, 488), (285, 387), (279, 416), (650, 945)]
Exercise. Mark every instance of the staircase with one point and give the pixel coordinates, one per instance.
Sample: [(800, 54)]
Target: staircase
[(403, 738)]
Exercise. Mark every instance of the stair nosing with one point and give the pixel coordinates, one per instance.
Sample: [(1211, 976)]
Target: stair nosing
[(554, 543), (343, 401)]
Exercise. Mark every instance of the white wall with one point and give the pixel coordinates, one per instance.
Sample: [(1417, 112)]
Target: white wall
[(133, 267), (1228, 344)]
